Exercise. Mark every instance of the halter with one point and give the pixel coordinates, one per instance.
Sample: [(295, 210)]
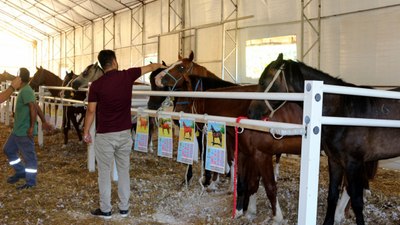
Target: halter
[(166, 71), (280, 70)]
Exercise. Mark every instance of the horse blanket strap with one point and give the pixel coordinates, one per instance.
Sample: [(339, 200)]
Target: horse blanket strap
[(236, 165)]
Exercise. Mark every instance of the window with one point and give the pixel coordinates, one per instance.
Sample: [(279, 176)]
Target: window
[(260, 52)]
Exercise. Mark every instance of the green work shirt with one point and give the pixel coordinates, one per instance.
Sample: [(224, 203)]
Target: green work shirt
[(22, 117)]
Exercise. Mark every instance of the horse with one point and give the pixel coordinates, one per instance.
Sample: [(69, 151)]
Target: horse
[(256, 148), (349, 148), (91, 73), (72, 112), (5, 76), (45, 77)]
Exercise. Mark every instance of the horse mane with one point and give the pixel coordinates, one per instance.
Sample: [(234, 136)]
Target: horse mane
[(352, 104), (212, 82)]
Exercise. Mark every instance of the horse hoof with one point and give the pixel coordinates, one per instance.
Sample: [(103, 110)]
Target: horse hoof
[(213, 186), (238, 213)]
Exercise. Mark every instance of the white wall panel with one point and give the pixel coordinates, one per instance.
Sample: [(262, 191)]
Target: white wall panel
[(152, 20), (203, 12), (363, 48), (169, 48), (98, 36), (122, 29), (269, 11), (209, 44)]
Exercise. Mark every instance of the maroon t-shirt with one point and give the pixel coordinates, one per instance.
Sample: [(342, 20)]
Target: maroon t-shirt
[(113, 94)]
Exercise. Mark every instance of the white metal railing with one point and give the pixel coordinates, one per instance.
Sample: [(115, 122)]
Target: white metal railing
[(312, 122)]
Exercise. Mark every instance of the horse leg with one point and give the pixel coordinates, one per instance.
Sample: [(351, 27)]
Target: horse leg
[(341, 206), (72, 117), (66, 126), (250, 201), (207, 173), (335, 180), (277, 165), (266, 168), (355, 179), (241, 186)]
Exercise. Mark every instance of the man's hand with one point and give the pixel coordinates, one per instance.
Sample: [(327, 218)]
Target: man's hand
[(47, 126), (29, 132), (87, 138), (16, 83)]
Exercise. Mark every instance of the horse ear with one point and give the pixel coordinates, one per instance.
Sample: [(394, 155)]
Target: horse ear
[(191, 56), (280, 57), (163, 63), (37, 68), (180, 57)]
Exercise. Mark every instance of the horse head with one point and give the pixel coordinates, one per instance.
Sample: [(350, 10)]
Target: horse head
[(155, 102), (90, 74), (177, 75), (272, 80), (47, 78), (5, 76)]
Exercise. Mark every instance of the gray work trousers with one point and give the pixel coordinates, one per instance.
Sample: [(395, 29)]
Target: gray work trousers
[(110, 146)]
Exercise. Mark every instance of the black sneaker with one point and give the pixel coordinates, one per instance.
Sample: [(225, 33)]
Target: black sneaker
[(124, 213), (25, 186), (15, 178), (99, 213)]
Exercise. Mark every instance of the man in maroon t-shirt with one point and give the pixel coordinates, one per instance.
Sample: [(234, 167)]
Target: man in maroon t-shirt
[(110, 100)]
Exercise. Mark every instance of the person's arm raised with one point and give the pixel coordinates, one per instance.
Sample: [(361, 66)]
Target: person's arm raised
[(151, 67)]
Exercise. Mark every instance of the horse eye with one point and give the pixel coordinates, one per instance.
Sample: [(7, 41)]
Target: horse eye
[(181, 69)]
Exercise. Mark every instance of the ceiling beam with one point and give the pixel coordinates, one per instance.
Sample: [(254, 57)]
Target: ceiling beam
[(33, 16), (70, 22), (23, 22)]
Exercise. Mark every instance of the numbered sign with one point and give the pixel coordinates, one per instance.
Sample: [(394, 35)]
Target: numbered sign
[(216, 147)]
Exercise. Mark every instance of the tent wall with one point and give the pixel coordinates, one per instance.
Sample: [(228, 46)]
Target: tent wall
[(359, 40)]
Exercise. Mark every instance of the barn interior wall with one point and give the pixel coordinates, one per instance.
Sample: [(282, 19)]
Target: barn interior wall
[(359, 40)]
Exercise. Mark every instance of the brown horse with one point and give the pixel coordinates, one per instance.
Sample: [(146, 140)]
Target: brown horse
[(45, 77), (349, 148), (5, 76), (256, 148)]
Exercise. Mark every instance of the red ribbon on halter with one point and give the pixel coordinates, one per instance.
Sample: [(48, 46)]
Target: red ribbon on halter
[(236, 165)]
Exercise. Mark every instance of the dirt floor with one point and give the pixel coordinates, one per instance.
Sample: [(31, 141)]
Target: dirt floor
[(66, 192)]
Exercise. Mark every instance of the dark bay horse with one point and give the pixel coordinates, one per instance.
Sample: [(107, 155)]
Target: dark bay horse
[(73, 111), (349, 148)]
